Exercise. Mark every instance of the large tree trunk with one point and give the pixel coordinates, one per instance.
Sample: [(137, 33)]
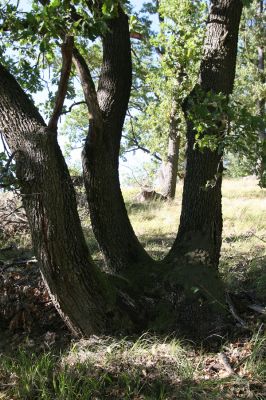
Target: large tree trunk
[(110, 221), (200, 227), (49, 200)]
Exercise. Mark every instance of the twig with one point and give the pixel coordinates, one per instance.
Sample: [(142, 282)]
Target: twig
[(6, 150), (233, 311), (222, 357), (136, 142), (258, 308), (10, 221), (78, 103), (133, 176), (253, 234), (12, 212)]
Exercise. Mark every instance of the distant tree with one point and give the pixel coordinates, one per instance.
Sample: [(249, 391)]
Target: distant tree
[(166, 66)]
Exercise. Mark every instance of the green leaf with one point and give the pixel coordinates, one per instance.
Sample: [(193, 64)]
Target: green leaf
[(55, 3)]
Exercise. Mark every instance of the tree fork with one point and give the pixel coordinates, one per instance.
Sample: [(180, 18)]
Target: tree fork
[(100, 156)]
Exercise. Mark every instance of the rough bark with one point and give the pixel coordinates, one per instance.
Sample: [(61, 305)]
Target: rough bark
[(200, 227), (110, 221), (49, 200)]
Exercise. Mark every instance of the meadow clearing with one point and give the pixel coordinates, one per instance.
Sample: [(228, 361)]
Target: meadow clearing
[(152, 367)]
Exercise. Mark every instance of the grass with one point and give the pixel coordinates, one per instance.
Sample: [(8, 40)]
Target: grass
[(145, 368), (244, 213), (157, 368)]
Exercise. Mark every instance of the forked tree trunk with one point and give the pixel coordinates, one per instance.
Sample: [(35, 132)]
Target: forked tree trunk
[(200, 227), (110, 221), (77, 289), (49, 200)]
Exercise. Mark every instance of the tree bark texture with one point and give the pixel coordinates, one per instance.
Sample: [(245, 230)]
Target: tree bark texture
[(109, 218), (200, 227), (49, 200)]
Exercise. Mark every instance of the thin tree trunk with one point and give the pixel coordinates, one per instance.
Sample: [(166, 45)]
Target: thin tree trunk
[(261, 105), (200, 227), (109, 217), (49, 200), (171, 166), (261, 67)]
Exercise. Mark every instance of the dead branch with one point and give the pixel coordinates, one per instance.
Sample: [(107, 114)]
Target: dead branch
[(77, 103), (233, 311), (258, 308), (224, 360)]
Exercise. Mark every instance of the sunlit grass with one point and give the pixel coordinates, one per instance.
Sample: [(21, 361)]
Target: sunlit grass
[(244, 214)]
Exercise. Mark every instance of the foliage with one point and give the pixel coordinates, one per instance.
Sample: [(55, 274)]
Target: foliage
[(164, 70), (237, 166), (171, 75), (165, 65), (31, 40)]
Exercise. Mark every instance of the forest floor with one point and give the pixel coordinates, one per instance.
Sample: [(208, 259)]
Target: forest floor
[(40, 360)]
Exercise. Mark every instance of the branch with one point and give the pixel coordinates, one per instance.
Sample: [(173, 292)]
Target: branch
[(87, 86), (134, 139), (258, 308), (77, 103), (224, 360), (5, 171), (145, 150), (67, 49), (136, 35), (233, 311), (133, 175), (6, 150)]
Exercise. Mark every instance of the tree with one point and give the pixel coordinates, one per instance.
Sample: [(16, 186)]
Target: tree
[(201, 216), (150, 294)]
